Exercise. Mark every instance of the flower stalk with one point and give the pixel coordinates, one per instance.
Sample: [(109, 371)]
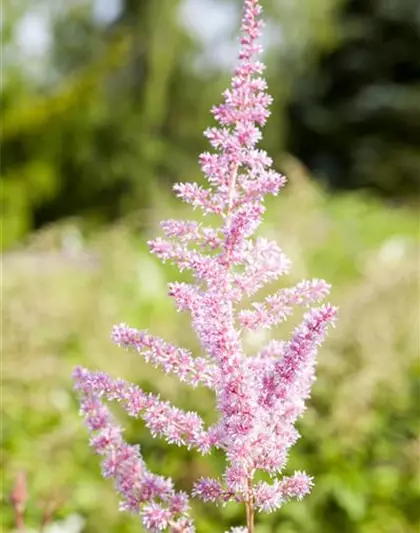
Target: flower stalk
[(250, 507), (259, 397)]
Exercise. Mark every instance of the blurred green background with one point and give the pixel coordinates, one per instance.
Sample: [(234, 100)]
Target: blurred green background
[(103, 105)]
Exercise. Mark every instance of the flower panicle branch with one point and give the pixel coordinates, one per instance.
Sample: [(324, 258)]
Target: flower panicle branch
[(258, 397)]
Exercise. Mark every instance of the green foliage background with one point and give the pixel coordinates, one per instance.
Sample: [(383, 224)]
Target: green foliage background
[(93, 134)]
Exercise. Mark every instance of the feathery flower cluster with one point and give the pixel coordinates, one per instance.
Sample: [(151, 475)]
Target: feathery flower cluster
[(259, 397)]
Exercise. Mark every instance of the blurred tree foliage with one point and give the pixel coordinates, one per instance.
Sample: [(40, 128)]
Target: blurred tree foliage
[(355, 114), (117, 106)]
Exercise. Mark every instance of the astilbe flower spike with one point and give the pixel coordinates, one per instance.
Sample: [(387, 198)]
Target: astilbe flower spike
[(259, 397)]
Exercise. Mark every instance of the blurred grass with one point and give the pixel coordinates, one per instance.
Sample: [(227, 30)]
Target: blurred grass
[(63, 292)]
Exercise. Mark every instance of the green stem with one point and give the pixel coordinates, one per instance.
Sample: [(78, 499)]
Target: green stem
[(249, 507)]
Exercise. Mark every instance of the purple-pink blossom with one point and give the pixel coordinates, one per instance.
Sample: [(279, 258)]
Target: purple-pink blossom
[(260, 396)]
